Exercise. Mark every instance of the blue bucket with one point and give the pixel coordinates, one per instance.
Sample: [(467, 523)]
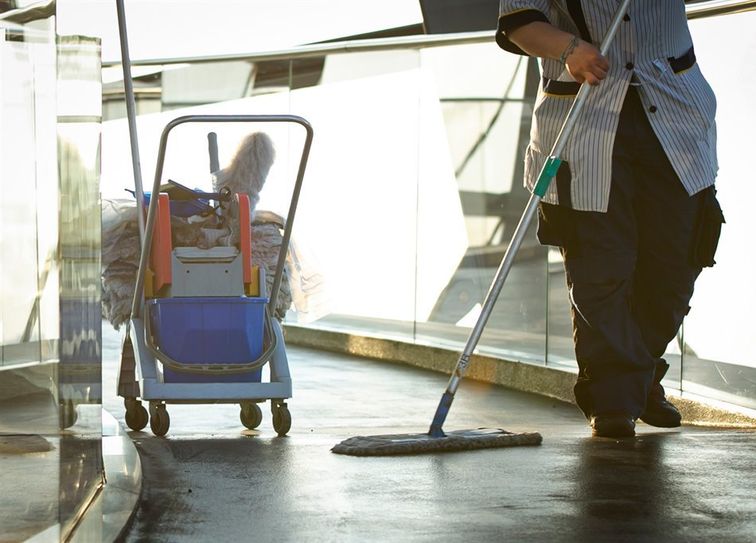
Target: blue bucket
[(202, 330)]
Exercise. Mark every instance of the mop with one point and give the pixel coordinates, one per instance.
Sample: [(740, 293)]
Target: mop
[(436, 440)]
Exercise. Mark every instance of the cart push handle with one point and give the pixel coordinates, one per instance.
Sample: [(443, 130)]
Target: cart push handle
[(137, 304)]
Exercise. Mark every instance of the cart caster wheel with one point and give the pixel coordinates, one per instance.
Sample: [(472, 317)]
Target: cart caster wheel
[(160, 421), (136, 416), (251, 415), (281, 419)]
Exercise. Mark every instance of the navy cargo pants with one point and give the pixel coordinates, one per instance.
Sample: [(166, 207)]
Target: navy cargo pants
[(629, 271)]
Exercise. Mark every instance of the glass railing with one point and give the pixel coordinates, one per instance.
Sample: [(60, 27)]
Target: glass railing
[(414, 188), (29, 319), (50, 325)]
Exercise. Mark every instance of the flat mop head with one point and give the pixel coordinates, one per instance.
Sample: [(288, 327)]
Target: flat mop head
[(460, 440)]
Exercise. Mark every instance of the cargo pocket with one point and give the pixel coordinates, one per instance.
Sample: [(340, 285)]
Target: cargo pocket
[(707, 230), (554, 225)]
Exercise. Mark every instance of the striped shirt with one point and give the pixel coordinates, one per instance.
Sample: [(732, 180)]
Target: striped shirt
[(652, 48)]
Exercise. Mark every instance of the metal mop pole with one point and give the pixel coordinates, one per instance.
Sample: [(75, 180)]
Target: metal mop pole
[(145, 230), (131, 114), (544, 180)]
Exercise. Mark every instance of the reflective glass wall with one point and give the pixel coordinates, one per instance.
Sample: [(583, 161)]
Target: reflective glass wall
[(50, 385), (718, 347), (29, 268), (414, 188), (80, 353)]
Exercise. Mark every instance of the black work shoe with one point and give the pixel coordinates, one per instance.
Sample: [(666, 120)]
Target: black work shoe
[(612, 426), (659, 412)]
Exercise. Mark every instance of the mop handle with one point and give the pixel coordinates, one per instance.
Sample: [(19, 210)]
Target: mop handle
[(128, 86), (542, 184), (212, 150)]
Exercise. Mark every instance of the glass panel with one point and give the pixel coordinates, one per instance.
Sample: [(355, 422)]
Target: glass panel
[(720, 347), (80, 388), (29, 441), (358, 213), (354, 239), (50, 384), (18, 227), (486, 108)]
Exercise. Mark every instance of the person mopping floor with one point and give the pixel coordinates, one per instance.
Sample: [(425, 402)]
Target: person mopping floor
[(436, 439), (633, 209)]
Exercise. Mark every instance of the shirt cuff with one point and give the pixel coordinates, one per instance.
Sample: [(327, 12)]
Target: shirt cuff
[(512, 21)]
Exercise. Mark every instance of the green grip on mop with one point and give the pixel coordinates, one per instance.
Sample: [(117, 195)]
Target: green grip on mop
[(548, 172)]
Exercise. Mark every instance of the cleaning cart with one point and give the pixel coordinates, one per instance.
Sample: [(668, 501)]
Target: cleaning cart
[(201, 328)]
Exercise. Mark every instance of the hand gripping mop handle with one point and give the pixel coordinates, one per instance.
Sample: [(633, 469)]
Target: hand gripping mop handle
[(544, 180)]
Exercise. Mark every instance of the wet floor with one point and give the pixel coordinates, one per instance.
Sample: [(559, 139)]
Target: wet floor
[(210, 480)]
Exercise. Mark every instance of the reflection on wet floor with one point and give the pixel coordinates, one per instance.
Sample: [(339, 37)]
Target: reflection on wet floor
[(46, 478), (209, 479)]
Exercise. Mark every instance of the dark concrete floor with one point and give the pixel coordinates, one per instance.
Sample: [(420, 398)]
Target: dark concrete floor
[(209, 480)]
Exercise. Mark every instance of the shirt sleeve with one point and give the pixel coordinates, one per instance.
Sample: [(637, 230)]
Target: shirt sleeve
[(516, 13)]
